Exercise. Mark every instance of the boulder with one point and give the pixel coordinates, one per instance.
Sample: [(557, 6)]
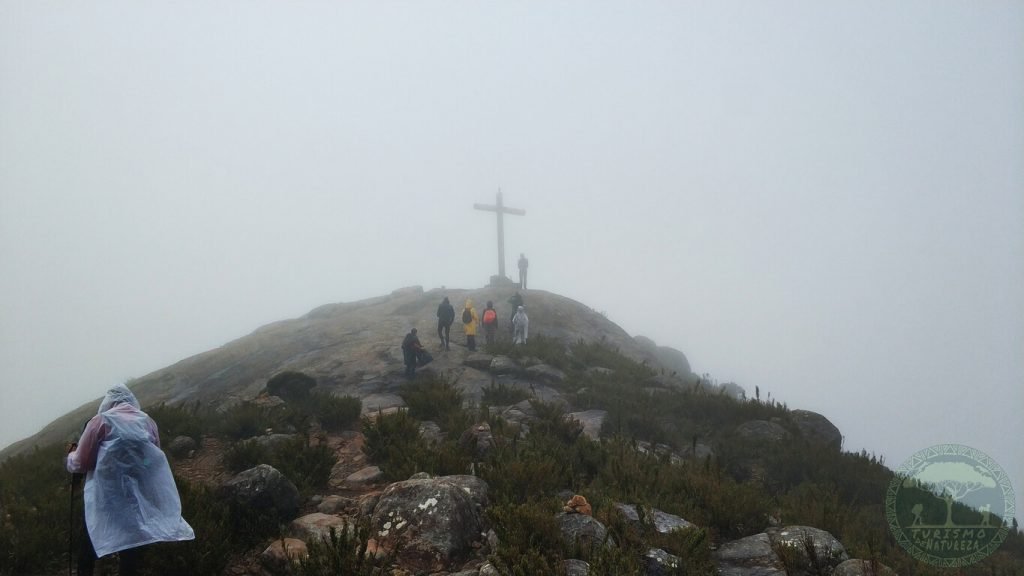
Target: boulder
[(366, 503), (671, 359), (665, 522), (478, 360), (545, 373), (182, 447), (503, 365), (271, 440), (817, 429), (582, 531), (527, 361), (575, 567), (697, 451), (521, 414), (432, 523), (592, 421), (363, 477), (657, 562), (489, 570), (750, 556), (855, 567), (336, 504), (263, 489), (806, 550), (431, 432), (291, 385), (763, 431), (317, 526), (660, 450), (629, 511), (283, 551)]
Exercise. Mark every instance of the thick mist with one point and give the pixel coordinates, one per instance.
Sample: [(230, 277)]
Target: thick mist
[(820, 200)]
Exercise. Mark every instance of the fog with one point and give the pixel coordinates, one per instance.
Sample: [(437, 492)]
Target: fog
[(822, 200)]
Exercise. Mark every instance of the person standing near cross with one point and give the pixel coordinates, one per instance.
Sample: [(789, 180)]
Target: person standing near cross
[(524, 265), (501, 210)]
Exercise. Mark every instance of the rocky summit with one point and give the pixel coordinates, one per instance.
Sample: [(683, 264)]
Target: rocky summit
[(305, 448), (354, 349)]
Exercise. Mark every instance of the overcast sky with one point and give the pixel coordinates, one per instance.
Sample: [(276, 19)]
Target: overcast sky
[(822, 199)]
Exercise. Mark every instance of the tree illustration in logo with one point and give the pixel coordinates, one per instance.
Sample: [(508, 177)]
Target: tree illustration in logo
[(951, 481)]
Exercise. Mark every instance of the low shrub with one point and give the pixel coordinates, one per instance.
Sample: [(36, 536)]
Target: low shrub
[(437, 399), (35, 504), (335, 413), (394, 443), (308, 467), (344, 552), (501, 394), (247, 419), (188, 419), (529, 536)]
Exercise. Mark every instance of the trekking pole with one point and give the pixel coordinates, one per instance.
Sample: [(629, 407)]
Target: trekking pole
[(71, 522), (71, 515)]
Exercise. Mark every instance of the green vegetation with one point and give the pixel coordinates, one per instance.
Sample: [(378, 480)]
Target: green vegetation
[(307, 466), (501, 394), (729, 494), (340, 553)]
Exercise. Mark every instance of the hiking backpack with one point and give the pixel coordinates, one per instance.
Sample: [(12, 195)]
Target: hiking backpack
[(467, 316), (490, 316)]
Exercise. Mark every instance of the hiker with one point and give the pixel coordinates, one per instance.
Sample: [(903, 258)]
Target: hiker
[(490, 320), (130, 496), (520, 326), (411, 350), (515, 301), (524, 265), (445, 317), (469, 321)]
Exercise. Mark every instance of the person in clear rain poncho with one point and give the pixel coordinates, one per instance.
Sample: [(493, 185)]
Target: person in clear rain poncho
[(130, 496), (520, 326)]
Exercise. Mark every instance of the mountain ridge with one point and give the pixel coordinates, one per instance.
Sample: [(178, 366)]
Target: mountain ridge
[(353, 347)]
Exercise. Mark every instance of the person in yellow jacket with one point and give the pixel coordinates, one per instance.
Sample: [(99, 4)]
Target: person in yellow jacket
[(469, 322)]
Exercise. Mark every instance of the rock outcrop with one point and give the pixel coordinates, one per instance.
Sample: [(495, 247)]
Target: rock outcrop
[(750, 556), (353, 349), (432, 523), (792, 550), (817, 429), (265, 490)]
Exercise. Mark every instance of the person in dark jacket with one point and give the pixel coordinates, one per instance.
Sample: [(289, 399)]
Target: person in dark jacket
[(411, 349), (445, 317)]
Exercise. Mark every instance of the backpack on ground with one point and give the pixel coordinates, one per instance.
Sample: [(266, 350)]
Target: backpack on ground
[(467, 316), (490, 316)]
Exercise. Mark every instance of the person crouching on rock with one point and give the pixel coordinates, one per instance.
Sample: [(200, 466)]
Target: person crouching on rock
[(411, 349), (130, 496)]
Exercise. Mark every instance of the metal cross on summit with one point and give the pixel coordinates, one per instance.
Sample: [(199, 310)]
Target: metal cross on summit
[(501, 209)]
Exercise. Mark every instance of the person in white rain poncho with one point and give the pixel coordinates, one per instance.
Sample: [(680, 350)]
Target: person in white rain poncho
[(130, 496), (520, 326)]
